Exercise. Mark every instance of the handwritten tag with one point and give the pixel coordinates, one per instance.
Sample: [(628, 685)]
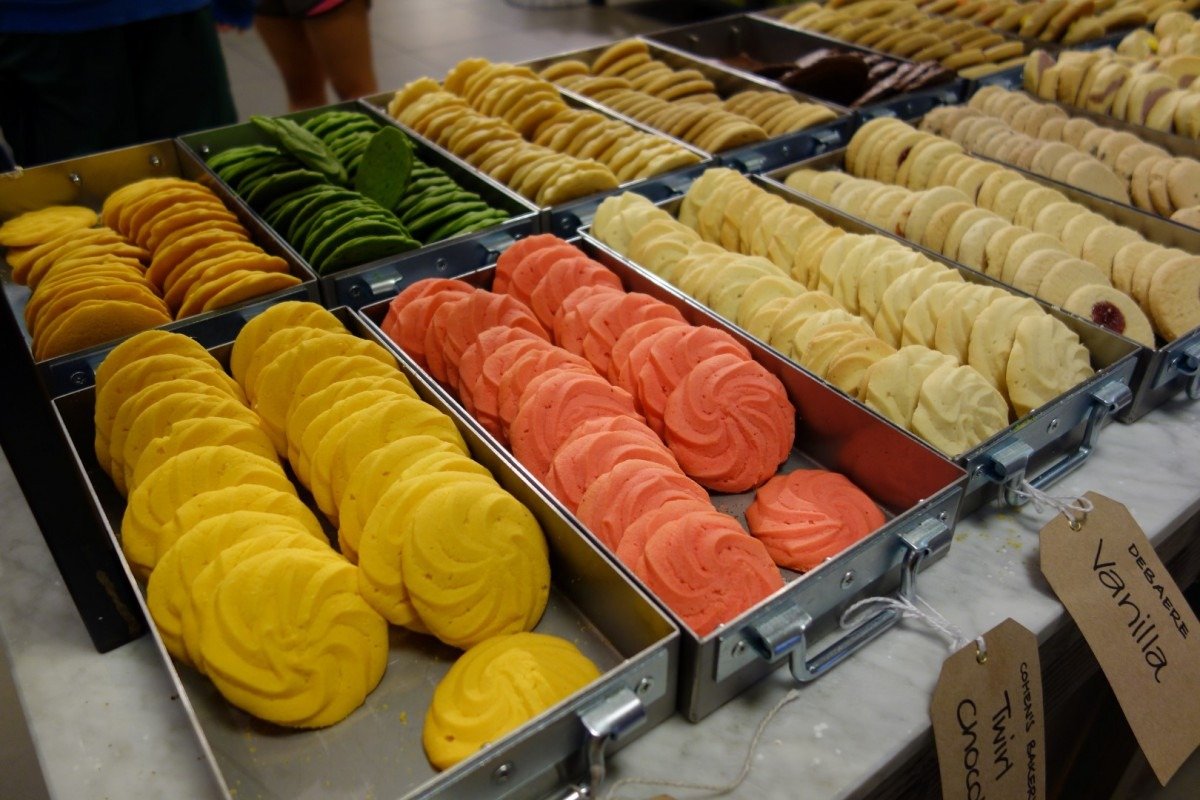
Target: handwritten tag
[(987, 719), (1137, 623)]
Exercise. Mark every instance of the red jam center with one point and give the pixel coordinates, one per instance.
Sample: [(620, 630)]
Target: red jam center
[(1109, 316)]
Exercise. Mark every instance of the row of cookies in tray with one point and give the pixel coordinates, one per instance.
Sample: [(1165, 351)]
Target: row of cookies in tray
[(1164, 281), (1012, 127), (950, 360), (682, 102), (514, 126), (1158, 93), (898, 27), (1174, 33), (1064, 21)]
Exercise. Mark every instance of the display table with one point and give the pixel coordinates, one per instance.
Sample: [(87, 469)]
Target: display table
[(111, 725)]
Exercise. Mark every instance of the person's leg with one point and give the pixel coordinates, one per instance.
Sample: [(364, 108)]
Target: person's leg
[(303, 75), (341, 38)]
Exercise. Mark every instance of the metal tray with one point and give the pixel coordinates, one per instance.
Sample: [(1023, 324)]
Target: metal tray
[(88, 181), (919, 490), (377, 750), (770, 42), (563, 219), (1172, 143), (1161, 372), (348, 286), (750, 158), (1042, 446)]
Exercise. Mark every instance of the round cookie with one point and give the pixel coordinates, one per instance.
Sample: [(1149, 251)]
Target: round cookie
[(1046, 360)]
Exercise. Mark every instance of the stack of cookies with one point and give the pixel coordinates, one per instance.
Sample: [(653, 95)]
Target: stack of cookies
[(516, 127), (899, 28), (1065, 21), (1176, 33), (683, 103), (1033, 218), (1158, 93), (1013, 127), (951, 361)]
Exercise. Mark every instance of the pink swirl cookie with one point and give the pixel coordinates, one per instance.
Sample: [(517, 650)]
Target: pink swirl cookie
[(570, 321), (534, 267), (525, 371), (484, 390), (510, 258), (619, 371), (706, 569), (633, 539), (665, 359), (612, 319), (729, 423), (565, 276), (582, 459), (631, 490), (470, 364), (554, 407), (457, 324), (807, 516), (410, 312)]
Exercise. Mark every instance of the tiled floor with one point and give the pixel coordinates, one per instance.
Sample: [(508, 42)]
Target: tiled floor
[(412, 38)]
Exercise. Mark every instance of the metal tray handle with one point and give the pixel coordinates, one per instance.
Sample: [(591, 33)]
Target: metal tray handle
[(1007, 465), (1185, 363), (604, 722), (787, 633)]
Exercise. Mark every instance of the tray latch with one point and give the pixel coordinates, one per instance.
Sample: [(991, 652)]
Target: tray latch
[(1008, 465), (608, 720), (787, 633), (1188, 363)]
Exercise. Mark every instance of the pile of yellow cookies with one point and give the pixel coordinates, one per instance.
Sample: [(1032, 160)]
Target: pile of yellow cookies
[(1176, 32), (898, 27), (1164, 282), (233, 557), (516, 128), (1065, 21), (167, 248), (683, 103), (951, 361)]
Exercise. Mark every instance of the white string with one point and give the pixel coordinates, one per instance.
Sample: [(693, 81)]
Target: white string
[(852, 618), (1069, 507), (713, 790)]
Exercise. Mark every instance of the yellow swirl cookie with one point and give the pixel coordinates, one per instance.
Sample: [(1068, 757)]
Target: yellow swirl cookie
[(289, 314), (302, 414), (380, 552), (892, 384), (497, 686), (305, 653), (389, 464), (188, 434), (179, 479), (148, 343), (1047, 359), (204, 581), (247, 497), (475, 564), (317, 430), (170, 584), (957, 409)]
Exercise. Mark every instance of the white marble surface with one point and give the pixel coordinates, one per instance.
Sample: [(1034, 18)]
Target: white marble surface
[(109, 725)]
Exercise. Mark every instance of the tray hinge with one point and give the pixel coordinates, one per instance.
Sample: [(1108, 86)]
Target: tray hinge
[(1008, 465), (1187, 363), (786, 633), (608, 720)]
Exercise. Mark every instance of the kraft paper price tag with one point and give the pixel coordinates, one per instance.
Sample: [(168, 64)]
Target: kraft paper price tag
[(987, 719), (1137, 623)]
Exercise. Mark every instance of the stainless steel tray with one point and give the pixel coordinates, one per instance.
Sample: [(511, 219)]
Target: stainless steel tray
[(1162, 372), (727, 37), (350, 286), (1042, 446), (563, 219), (919, 489), (88, 181), (750, 158), (377, 750)]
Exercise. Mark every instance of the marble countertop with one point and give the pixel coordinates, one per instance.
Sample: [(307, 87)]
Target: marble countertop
[(111, 726)]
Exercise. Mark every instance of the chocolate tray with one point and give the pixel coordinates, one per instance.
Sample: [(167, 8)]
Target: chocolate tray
[(88, 181), (351, 286), (563, 219), (1162, 372), (724, 38), (377, 750), (754, 157), (1043, 446), (919, 490)]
